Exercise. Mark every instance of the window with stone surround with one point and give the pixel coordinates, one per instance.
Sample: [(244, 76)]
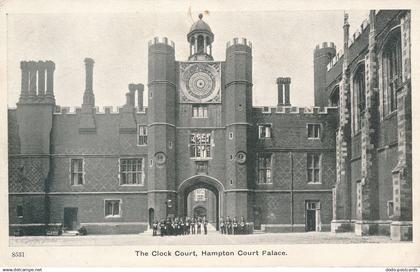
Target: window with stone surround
[(334, 100), (359, 97), (19, 211), (76, 172), (390, 208), (142, 135), (313, 168), (200, 145), (264, 168), (199, 111), (264, 131), (314, 131), (112, 208), (132, 171), (391, 71)]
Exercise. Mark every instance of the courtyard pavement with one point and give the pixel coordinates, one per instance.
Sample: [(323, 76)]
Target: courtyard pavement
[(212, 238)]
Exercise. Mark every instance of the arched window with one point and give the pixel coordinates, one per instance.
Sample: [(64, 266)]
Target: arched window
[(391, 70), (200, 44), (359, 96), (335, 97)]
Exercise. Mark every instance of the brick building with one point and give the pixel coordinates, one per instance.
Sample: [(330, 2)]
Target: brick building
[(342, 165)]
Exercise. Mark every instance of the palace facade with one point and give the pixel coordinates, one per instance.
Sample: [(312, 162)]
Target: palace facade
[(343, 165)]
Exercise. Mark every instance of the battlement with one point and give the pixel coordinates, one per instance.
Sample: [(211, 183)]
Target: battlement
[(358, 32), (235, 41), (97, 110), (296, 110), (352, 39), (335, 60), (162, 40), (324, 45)]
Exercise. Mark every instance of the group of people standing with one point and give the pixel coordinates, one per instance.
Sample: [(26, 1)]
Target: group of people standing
[(232, 226), (180, 226)]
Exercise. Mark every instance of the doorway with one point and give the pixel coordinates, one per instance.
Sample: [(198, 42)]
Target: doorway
[(70, 218), (213, 198), (151, 217), (313, 216), (200, 212)]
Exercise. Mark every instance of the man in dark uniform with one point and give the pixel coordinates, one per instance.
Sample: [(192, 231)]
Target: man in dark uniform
[(168, 227), (242, 226), (234, 226), (222, 226), (205, 222), (162, 227), (199, 225), (228, 225)]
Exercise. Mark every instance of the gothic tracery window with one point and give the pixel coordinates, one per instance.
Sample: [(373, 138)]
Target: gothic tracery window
[(391, 71), (359, 97)]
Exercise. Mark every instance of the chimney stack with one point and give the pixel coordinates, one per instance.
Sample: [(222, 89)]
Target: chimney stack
[(132, 88), (283, 89), (50, 66), (41, 78), (24, 89), (88, 96), (140, 89), (32, 78), (37, 81)]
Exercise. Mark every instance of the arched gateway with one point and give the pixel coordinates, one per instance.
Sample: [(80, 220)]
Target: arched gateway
[(197, 182)]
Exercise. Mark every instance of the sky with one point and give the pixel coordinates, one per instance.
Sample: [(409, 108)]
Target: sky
[(282, 41)]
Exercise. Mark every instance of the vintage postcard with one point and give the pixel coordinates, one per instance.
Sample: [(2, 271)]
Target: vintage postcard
[(163, 133)]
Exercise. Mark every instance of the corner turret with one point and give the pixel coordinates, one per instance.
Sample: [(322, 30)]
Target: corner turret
[(323, 54)]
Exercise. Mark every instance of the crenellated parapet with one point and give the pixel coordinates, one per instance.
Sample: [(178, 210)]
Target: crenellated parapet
[(107, 110), (352, 39), (236, 41), (161, 40), (324, 45), (296, 110)]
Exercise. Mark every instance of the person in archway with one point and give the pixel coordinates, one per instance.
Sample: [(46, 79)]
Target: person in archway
[(193, 223), (187, 225), (199, 225), (205, 222)]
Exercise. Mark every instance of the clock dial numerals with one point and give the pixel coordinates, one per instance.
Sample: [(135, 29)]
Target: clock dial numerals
[(200, 83)]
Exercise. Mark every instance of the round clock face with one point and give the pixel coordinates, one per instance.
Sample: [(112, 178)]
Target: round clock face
[(241, 157), (200, 82), (160, 158)]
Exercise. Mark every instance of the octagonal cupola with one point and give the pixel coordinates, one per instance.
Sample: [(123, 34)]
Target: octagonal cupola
[(200, 38)]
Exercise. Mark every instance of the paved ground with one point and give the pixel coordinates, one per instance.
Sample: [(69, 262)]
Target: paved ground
[(213, 238)]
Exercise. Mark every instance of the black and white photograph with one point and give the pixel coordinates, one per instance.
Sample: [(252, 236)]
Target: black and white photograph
[(204, 125)]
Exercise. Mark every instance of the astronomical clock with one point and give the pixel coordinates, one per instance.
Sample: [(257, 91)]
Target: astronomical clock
[(199, 82)]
